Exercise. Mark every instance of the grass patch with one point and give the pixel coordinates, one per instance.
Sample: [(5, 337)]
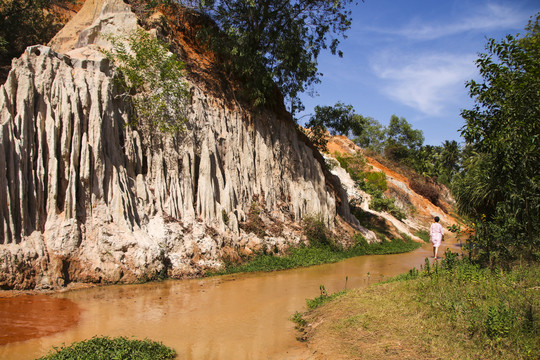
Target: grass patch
[(99, 348), (423, 234), (454, 310), (316, 255), (323, 298)]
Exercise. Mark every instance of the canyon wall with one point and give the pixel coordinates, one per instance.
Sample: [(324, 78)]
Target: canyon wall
[(84, 197)]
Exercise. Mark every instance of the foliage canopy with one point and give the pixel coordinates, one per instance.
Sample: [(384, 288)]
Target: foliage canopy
[(500, 186), (153, 78), (338, 119), (401, 139), (275, 42)]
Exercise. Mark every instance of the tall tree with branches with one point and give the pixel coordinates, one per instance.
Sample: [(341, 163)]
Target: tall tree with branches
[(500, 186), (276, 43)]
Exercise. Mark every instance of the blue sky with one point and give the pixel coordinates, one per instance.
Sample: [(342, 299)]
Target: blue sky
[(412, 58)]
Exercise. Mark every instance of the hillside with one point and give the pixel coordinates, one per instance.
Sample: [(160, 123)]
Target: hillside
[(87, 198), (419, 210)]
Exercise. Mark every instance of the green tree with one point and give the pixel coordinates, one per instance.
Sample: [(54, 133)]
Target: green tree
[(276, 42), (402, 141), (373, 136), (450, 160), (500, 186), (338, 119), (427, 161)]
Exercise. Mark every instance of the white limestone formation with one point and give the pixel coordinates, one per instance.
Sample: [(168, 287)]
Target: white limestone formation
[(86, 198)]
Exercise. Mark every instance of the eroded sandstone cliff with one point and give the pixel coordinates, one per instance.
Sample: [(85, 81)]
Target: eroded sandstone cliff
[(86, 198)]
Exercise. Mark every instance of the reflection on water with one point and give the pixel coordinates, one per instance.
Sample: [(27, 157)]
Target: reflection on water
[(31, 316), (231, 317)]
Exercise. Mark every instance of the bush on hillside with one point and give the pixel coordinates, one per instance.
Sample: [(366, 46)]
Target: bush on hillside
[(317, 233), (426, 188), (153, 79)]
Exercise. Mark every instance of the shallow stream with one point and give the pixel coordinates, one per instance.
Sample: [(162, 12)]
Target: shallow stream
[(230, 317)]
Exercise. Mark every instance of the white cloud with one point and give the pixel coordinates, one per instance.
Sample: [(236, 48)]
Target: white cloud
[(486, 18), (428, 83)]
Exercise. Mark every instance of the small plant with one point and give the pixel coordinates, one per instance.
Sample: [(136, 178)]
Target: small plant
[(450, 259), (99, 348), (330, 163), (298, 319), (355, 165), (375, 181), (225, 217), (381, 203), (153, 78), (323, 298), (254, 223), (455, 228), (317, 233), (498, 321)]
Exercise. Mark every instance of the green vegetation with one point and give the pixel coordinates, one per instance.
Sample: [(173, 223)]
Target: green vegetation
[(402, 148), (99, 348), (459, 310), (401, 145), (485, 306), (372, 137), (319, 254), (402, 141), (495, 309), (323, 298), (273, 44), (153, 78), (337, 119), (424, 235), (318, 234), (499, 188), (374, 183)]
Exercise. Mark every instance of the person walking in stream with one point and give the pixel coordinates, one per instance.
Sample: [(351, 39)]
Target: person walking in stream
[(436, 235)]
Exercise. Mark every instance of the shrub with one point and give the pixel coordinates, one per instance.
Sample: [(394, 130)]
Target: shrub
[(99, 348), (375, 181), (317, 233), (153, 78), (330, 163), (254, 223), (355, 165), (381, 203), (426, 188)]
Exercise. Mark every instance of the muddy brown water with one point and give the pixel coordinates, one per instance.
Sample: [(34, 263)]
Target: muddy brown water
[(230, 317)]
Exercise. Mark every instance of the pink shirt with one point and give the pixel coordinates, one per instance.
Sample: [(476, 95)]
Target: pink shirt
[(436, 233)]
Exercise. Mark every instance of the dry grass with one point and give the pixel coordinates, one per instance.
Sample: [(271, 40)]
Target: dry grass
[(394, 321), (375, 323)]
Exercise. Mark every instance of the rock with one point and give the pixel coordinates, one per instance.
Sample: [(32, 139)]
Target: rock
[(86, 198)]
